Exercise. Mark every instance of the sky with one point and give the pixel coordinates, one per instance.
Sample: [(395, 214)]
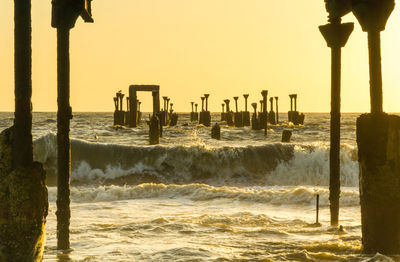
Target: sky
[(190, 47)]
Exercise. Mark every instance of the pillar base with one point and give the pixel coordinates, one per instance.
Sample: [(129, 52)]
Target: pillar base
[(23, 206), (378, 140)]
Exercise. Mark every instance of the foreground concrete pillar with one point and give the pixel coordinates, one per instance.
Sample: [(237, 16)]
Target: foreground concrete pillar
[(378, 140), (336, 35), (23, 192), (378, 137), (154, 130), (64, 16)]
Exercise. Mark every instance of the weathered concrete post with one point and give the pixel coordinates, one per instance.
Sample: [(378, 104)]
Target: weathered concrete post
[(164, 112), (223, 118), (216, 132), (196, 113), (378, 145), (139, 112), (277, 112), (229, 116), (295, 102), (246, 114), (271, 114), (206, 97), (192, 116), (127, 113), (64, 16), (207, 114), (201, 120), (23, 192), (255, 124), (336, 35), (264, 93), (236, 103), (238, 115)]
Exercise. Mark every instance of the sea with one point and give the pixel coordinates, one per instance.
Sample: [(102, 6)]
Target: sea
[(246, 197)]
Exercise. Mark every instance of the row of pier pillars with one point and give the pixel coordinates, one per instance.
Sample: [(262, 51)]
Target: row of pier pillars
[(261, 118), (133, 115), (204, 117), (122, 117), (293, 115)]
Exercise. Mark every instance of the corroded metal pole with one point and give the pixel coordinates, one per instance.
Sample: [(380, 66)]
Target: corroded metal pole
[(336, 35)]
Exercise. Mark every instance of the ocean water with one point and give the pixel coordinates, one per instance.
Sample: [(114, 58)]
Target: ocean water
[(246, 197)]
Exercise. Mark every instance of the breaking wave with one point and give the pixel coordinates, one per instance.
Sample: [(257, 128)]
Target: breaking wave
[(269, 164)]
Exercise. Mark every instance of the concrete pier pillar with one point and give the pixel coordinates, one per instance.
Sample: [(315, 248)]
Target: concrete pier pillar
[(154, 130), (246, 113), (192, 103), (295, 102), (286, 135), (378, 136), (236, 103), (255, 124), (277, 112), (116, 103), (202, 103), (64, 16), (216, 132), (336, 35), (223, 118), (229, 116), (264, 93), (196, 107), (271, 113), (206, 97)]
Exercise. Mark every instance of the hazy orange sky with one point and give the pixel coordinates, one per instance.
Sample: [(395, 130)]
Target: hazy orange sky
[(191, 47)]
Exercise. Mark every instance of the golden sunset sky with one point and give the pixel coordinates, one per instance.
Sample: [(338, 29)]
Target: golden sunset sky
[(191, 47)]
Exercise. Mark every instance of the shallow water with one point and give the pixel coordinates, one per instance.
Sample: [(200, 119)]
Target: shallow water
[(244, 198)]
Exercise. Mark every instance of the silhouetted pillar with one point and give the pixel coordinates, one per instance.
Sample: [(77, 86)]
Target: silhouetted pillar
[(246, 96), (227, 101), (23, 193), (192, 106), (196, 107), (336, 35), (378, 145), (216, 132), (236, 103), (22, 142), (116, 103), (168, 99), (254, 105), (127, 104), (64, 16), (121, 97), (295, 102), (202, 103), (134, 110), (264, 93), (277, 112), (206, 97), (223, 107), (291, 102)]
